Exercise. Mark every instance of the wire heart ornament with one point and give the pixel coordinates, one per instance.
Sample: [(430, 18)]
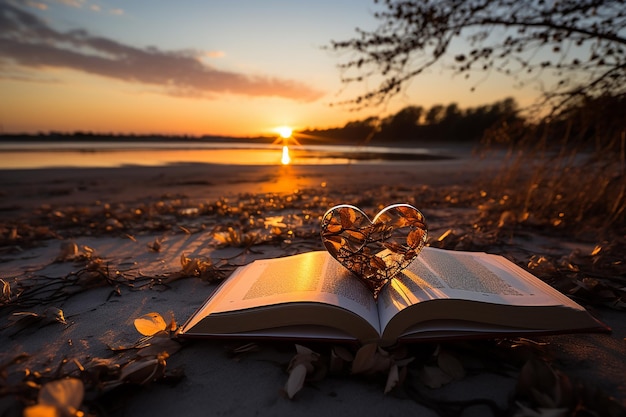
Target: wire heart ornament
[(374, 250)]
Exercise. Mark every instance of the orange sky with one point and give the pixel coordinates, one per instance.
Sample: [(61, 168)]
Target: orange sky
[(222, 69)]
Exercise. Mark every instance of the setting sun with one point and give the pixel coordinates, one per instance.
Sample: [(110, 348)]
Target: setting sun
[(284, 131)]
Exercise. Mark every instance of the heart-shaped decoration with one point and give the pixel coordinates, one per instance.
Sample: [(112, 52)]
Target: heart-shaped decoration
[(375, 251)]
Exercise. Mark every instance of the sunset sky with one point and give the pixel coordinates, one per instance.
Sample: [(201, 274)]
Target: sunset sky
[(237, 68)]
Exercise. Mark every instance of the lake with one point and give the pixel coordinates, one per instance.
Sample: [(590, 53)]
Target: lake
[(34, 155)]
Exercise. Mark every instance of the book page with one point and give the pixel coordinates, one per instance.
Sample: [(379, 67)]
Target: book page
[(308, 277), (439, 274)]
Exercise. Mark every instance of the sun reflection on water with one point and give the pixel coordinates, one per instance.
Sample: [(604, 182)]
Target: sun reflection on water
[(286, 159)]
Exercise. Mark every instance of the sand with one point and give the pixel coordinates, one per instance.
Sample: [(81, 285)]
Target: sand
[(215, 381), (30, 188)]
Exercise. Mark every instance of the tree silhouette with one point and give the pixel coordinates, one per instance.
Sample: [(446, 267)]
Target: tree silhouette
[(403, 124), (416, 125), (435, 115), (573, 48)]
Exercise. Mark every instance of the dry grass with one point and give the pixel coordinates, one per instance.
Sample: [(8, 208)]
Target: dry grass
[(569, 171)]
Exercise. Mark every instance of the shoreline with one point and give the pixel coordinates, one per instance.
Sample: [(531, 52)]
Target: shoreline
[(116, 154), (29, 188)]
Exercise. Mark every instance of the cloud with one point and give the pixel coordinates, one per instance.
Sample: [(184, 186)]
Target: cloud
[(215, 54), (83, 4), (72, 3), (28, 41), (37, 5)]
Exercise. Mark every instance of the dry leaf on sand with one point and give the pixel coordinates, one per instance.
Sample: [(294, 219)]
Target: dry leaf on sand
[(150, 324)]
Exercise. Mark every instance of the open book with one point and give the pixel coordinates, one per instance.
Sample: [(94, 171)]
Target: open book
[(442, 294)]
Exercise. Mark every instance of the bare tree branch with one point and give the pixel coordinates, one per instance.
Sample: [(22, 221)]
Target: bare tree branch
[(581, 43)]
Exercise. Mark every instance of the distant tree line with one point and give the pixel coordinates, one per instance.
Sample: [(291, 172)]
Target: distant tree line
[(86, 136), (418, 125)]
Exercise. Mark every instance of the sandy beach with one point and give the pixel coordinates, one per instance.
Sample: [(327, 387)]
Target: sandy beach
[(87, 251), (211, 181)]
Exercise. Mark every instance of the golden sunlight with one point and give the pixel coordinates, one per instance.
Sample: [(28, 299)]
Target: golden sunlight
[(286, 159), (284, 131)]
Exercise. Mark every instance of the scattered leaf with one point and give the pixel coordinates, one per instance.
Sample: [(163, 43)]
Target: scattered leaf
[(143, 371), (364, 358), (155, 246), (41, 410), (202, 268), (449, 364), (150, 324), (56, 314), (62, 398), (433, 376), (371, 359), (67, 252), (6, 292), (22, 319), (304, 356), (393, 377), (296, 379)]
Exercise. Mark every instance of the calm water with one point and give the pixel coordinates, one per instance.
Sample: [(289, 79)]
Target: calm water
[(29, 155)]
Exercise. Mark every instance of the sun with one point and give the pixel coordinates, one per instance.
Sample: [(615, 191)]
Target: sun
[(284, 131)]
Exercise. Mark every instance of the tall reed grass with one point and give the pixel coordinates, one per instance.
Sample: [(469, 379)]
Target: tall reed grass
[(568, 170)]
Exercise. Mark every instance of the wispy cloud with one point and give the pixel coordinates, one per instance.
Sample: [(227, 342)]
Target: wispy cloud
[(28, 41), (37, 5), (72, 3), (77, 4), (215, 54)]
